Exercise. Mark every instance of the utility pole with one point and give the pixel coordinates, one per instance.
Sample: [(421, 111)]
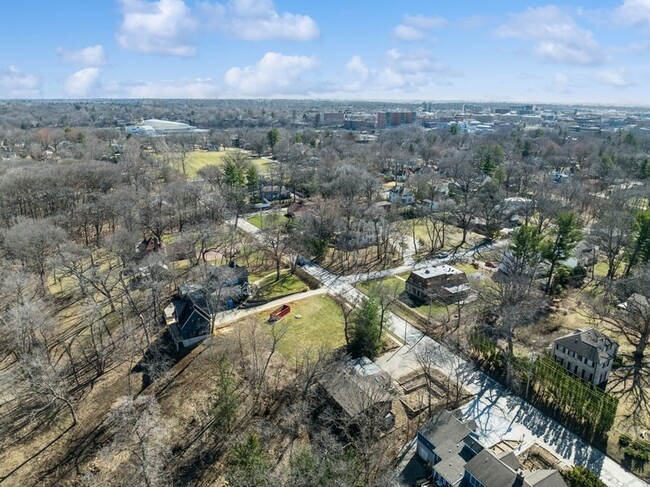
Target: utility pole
[(530, 373)]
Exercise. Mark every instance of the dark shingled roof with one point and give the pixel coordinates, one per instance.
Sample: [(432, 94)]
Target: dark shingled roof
[(510, 459), (355, 394), (544, 478), (444, 427), (590, 344), (491, 471), (453, 457)]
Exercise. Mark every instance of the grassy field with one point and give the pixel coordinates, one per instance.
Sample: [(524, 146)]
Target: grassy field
[(264, 220), (198, 159), (320, 325), (394, 284), (288, 283), (466, 268)]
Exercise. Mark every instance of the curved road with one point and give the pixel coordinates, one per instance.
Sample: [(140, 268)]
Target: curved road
[(498, 414)]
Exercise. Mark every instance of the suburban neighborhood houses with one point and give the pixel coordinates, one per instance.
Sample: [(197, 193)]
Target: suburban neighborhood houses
[(412, 320)]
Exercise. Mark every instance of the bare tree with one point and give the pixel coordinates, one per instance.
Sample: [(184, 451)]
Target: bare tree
[(139, 453), (257, 349), (276, 242), (509, 304), (26, 327), (632, 379), (33, 242), (41, 385), (612, 233)]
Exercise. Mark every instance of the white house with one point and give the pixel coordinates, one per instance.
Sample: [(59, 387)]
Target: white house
[(401, 195), (588, 354)]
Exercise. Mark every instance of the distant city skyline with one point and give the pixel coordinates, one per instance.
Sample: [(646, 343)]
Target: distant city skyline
[(593, 52)]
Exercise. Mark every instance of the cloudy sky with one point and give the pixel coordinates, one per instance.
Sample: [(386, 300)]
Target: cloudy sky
[(595, 51)]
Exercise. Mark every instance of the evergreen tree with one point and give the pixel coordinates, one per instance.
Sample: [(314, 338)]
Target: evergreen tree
[(366, 329), (252, 178), (525, 248), (639, 251), (579, 476), (233, 175), (273, 136), (249, 464), (567, 234), (225, 402)]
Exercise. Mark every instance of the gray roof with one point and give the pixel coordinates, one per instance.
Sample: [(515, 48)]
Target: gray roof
[(491, 471), (590, 344), (444, 427), (453, 457), (365, 367), (439, 270), (637, 303), (355, 394), (461, 288), (544, 478), (510, 459)]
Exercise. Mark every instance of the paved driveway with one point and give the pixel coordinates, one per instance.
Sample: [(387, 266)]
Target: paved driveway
[(498, 414)]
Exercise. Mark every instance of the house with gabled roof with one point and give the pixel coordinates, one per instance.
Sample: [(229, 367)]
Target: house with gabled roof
[(188, 316), (588, 354), (488, 469), (450, 447), (446, 444), (401, 195)]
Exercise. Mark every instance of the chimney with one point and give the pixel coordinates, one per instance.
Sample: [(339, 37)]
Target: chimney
[(520, 474)]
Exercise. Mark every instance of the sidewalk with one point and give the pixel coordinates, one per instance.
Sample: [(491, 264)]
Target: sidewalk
[(498, 414), (501, 415)]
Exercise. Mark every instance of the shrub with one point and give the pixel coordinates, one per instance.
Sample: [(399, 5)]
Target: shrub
[(625, 440), (633, 453), (580, 476)]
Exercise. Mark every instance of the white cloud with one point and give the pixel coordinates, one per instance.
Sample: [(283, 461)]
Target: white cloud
[(83, 83), (557, 37), (409, 33), (409, 71), (415, 27), (161, 27), (634, 13), (180, 88), (357, 66), (258, 20), (612, 77), (88, 56), (422, 22), (274, 74), (16, 84)]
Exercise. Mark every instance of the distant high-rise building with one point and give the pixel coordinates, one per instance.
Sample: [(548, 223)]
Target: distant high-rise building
[(394, 119)]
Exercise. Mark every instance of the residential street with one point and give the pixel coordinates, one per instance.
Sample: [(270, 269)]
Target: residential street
[(498, 414)]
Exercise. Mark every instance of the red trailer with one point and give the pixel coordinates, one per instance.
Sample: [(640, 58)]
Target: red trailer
[(279, 313)]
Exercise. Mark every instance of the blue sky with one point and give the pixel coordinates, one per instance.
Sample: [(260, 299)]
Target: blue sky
[(588, 51)]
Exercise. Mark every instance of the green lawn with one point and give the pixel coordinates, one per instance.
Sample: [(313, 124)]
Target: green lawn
[(198, 159), (600, 269), (398, 286), (288, 283), (393, 283), (466, 268), (263, 220), (320, 326), (435, 310)]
